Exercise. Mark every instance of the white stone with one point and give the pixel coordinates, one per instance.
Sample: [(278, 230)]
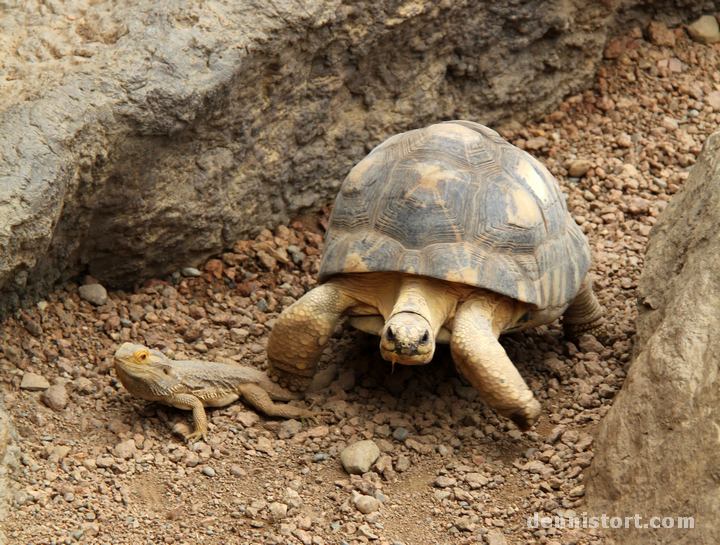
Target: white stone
[(705, 30), (359, 457)]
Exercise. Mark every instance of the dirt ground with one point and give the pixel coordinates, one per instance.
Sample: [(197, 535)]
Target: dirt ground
[(99, 466)]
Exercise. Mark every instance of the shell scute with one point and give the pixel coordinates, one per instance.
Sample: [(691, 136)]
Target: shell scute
[(455, 201)]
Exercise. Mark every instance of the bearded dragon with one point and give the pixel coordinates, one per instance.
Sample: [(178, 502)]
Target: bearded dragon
[(194, 385)]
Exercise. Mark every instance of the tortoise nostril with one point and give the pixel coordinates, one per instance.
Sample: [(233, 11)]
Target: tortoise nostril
[(425, 338)]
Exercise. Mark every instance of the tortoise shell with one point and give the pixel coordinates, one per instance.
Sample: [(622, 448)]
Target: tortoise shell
[(457, 202)]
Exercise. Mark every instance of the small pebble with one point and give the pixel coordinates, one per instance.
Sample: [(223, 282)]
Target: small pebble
[(444, 482), (289, 428), (55, 397), (191, 272), (579, 167), (207, 470), (466, 393), (402, 464), (400, 434), (20, 497), (365, 530), (93, 293), (577, 491), (34, 382), (705, 30), (278, 511), (495, 537), (359, 457), (366, 504), (237, 471)]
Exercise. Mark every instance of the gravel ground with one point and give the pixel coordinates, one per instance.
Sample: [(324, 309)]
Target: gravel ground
[(101, 466)]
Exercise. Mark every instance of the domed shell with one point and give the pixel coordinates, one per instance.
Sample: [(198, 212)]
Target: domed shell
[(457, 202)]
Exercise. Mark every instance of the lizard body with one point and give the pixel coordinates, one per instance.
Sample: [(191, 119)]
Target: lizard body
[(194, 385)]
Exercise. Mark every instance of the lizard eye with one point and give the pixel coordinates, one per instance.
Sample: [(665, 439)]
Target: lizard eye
[(142, 356)]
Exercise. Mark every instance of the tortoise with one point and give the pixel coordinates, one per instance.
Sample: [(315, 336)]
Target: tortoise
[(444, 234)]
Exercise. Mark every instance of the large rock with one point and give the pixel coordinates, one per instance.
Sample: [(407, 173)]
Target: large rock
[(140, 137), (658, 449), (9, 460)]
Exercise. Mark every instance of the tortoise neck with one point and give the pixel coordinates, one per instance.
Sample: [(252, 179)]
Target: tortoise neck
[(424, 296)]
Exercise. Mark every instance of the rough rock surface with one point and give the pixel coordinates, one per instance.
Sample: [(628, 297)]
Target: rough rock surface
[(136, 138), (657, 452), (8, 462)]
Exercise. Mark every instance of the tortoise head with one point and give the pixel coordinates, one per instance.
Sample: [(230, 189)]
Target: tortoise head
[(407, 338)]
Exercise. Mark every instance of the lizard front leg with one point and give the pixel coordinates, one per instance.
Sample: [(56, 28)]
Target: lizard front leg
[(482, 360), (255, 395), (188, 402), (300, 334)]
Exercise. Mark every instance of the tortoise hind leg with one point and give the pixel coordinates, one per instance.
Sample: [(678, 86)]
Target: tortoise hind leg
[(300, 334), (584, 315)]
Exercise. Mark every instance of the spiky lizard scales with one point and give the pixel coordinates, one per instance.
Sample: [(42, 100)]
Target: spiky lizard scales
[(194, 385)]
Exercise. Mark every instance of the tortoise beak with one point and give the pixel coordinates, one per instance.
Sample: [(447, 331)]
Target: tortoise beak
[(406, 347)]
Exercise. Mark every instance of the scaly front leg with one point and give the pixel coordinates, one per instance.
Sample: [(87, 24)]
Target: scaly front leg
[(482, 360), (300, 334), (188, 402)]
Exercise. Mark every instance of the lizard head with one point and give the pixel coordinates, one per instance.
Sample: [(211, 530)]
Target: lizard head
[(137, 362)]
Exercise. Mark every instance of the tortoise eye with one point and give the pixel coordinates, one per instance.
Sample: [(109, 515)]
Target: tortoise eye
[(142, 356)]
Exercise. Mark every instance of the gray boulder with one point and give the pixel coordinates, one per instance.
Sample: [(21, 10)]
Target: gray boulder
[(137, 138), (657, 451), (9, 460)]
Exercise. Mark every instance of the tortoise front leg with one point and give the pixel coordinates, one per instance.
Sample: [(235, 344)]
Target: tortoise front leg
[(584, 315), (482, 360), (300, 334)]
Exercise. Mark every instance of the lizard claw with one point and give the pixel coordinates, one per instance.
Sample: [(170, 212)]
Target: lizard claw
[(196, 436), (310, 416)]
